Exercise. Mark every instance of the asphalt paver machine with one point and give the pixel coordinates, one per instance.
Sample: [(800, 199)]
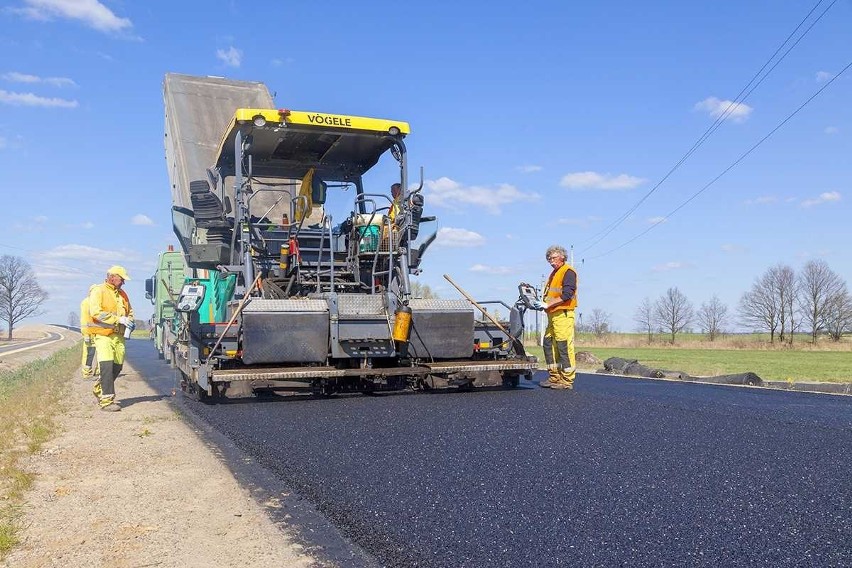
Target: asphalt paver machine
[(283, 296)]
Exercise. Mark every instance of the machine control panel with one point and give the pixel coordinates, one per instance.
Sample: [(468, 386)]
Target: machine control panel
[(528, 295), (190, 297)]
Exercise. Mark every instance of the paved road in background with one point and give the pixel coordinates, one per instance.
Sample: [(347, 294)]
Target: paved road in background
[(619, 472), (25, 344)]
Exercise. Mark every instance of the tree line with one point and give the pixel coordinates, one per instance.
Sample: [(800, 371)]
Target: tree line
[(780, 302)]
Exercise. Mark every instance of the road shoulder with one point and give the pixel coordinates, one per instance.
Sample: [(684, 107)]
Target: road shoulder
[(137, 488)]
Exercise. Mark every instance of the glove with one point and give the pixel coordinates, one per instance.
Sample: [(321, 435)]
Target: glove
[(87, 340), (539, 305), (125, 321)]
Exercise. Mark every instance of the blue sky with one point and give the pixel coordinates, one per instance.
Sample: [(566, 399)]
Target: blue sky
[(535, 123)]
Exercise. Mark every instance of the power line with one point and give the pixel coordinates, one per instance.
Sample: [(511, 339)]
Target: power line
[(731, 166), (732, 106)]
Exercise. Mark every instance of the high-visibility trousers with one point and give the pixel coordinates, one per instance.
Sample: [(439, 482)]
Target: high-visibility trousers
[(110, 351), (558, 346), (110, 348)]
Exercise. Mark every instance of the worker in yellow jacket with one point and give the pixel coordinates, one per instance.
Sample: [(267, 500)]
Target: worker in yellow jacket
[(559, 302), (89, 363), (111, 315)]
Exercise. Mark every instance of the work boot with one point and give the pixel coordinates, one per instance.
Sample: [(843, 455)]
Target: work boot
[(111, 407), (562, 386)]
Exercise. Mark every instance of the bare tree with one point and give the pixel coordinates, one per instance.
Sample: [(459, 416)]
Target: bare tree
[(20, 295), (419, 290), (711, 317), (781, 280), (599, 323), (759, 307), (644, 318), (73, 319), (673, 312), (818, 286), (838, 314)]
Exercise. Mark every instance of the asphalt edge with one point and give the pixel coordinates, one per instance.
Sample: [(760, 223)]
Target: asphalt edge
[(836, 389), (321, 539)]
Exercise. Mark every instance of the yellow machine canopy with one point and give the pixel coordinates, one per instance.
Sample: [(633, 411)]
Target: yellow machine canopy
[(287, 144)]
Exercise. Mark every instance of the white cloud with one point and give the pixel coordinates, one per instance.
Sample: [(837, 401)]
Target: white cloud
[(15, 77), (823, 76), (458, 238), (80, 252), (528, 169), (672, 265), (497, 270), (655, 220), (825, 197), (732, 248), (87, 225), (831, 130), (231, 57), (445, 192), (31, 224), (29, 99), (141, 220), (762, 200), (594, 180), (91, 12), (74, 262), (54, 273), (717, 108)]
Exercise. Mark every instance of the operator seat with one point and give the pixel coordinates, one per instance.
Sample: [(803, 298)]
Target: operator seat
[(209, 214), (207, 208)]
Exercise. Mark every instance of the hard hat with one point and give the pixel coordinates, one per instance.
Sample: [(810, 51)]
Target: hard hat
[(118, 271)]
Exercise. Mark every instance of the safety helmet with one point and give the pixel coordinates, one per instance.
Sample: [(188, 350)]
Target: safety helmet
[(118, 271)]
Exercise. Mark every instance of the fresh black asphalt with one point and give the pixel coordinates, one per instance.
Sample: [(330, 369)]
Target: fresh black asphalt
[(618, 472)]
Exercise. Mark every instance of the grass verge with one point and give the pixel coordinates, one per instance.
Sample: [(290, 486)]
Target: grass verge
[(30, 398), (780, 364)]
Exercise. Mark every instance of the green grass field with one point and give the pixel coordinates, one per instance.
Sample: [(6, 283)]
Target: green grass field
[(769, 365), (803, 362)]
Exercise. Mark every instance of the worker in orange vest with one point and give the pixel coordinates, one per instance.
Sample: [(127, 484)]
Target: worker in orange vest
[(559, 302)]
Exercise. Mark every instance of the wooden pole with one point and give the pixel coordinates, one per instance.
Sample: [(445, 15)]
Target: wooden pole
[(485, 313)]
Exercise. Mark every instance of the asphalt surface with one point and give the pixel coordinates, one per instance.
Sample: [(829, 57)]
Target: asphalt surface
[(618, 472)]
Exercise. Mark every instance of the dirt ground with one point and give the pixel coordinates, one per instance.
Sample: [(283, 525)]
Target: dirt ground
[(112, 489)]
